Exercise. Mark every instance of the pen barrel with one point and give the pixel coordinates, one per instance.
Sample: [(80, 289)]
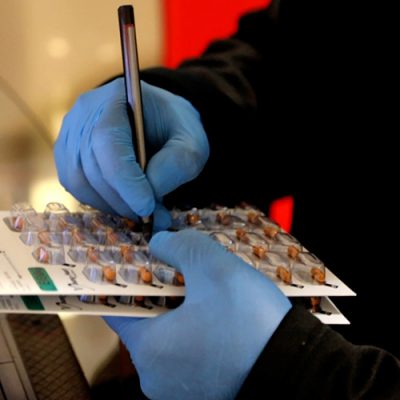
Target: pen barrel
[(132, 79)]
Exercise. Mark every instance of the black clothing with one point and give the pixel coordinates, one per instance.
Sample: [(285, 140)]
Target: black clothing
[(296, 101), (307, 360)]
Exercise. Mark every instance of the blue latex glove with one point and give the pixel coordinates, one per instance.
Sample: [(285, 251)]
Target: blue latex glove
[(206, 347), (95, 157)]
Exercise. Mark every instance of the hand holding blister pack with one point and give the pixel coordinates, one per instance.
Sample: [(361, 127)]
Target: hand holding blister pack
[(214, 277)]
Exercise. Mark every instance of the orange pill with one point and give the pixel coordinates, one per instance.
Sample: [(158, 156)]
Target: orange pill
[(145, 275), (44, 238), (179, 279), (223, 218), (129, 224), (42, 255), (111, 237), (270, 231), (109, 273), (126, 253), (260, 251), (241, 234), (192, 219), (18, 223), (92, 254), (253, 217), (318, 275), (284, 275), (293, 251), (315, 304)]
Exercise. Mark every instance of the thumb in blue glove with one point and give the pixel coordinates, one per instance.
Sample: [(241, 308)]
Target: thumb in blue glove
[(95, 157), (207, 346)]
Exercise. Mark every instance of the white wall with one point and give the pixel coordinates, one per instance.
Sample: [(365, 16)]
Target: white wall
[(52, 50)]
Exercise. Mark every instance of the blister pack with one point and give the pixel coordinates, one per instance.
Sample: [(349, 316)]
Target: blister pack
[(91, 262)]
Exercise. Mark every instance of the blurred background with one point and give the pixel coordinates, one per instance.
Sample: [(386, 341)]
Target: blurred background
[(53, 50)]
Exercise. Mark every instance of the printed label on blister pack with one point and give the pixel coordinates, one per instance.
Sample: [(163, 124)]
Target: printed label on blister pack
[(33, 303), (42, 278), (92, 253)]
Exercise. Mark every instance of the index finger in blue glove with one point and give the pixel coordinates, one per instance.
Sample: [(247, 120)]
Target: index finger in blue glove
[(110, 163)]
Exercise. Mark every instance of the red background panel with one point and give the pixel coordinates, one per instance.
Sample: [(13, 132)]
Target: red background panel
[(190, 25)]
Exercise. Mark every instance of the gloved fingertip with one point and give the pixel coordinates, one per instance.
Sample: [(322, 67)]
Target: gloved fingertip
[(115, 323), (159, 240), (144, 208), (118, 324), (162, 219)]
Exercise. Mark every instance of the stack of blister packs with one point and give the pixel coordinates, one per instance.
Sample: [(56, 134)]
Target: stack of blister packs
[(93, 263)]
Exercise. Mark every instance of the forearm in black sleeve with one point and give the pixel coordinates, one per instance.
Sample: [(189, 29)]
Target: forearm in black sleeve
[(307, 360), (227, 85)]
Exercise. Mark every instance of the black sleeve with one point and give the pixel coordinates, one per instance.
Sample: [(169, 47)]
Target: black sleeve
[(258, 93), (225, 85), (307, 360), (265, 95), (285, 68)]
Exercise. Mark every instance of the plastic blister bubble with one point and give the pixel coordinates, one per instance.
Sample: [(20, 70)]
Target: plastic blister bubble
[(110, 248), (168, 275), (93, 272), (309, 268), (49, 255), (54, 214), (18, 216)]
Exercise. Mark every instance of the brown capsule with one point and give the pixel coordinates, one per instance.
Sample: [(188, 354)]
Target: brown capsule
[(18, 223), (111, 237), (92, 254), (126, 253), (315, 304), (284, 275), (318, 275), (138, 300), (241, 234), (253, 217), (44, 237), (270, 231), (109, 273), (223, 218), (128, 224), (62, 223), (145, 275), (42, 255), (76, 236), (293, 252), (260, 251), (192, 219), (179, 279)]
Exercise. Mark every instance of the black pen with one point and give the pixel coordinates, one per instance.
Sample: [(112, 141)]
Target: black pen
[(133, 92)]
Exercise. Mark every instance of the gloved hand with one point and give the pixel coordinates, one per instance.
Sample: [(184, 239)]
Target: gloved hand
[(205, 348), (95, 157)]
